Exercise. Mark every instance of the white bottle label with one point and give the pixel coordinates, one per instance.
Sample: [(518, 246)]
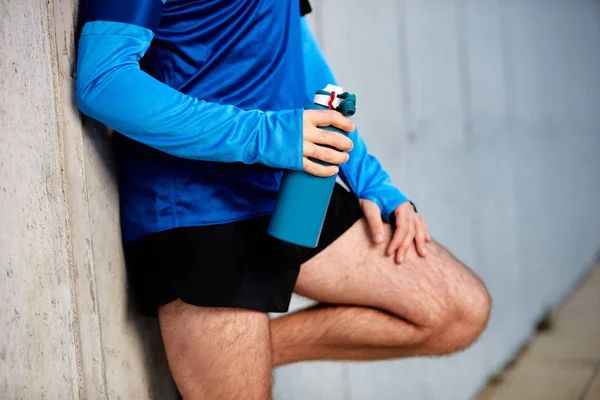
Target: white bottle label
[(323, 99)]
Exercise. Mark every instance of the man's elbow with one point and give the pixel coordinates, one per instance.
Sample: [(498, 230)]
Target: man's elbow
[(84, 101), (94, 96)]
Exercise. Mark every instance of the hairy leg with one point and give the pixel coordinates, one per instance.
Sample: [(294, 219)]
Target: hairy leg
[(217, 353), (376, 309)]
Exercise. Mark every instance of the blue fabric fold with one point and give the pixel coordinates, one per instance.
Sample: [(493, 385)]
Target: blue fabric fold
[(144, 13)]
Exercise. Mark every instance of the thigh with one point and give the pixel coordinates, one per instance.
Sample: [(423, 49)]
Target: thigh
[(354, 271), (217, 353)]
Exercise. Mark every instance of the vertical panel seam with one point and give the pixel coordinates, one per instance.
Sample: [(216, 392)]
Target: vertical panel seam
[(60, 49), (507, 63), (463, 64), (77, 390), (405, 71)]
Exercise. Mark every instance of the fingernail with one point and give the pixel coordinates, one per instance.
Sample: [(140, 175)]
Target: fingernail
[(378, 238), (401, 259)]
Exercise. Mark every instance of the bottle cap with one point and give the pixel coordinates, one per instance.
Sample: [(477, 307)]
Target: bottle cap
[(324, 99)]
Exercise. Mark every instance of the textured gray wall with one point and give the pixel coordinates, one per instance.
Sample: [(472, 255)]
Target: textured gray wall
[(66, 326), (485, 112), (37, 325)]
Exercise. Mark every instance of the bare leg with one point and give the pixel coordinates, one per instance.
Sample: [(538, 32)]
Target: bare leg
[(377, 309), (215, 353)]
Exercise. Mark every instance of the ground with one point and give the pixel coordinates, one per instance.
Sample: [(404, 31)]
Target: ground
[(563, 361)]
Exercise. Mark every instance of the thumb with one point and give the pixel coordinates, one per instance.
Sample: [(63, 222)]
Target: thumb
[(373, 217)]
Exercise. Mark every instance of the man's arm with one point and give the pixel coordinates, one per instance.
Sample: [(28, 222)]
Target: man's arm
[(363, 173), (113, 89)]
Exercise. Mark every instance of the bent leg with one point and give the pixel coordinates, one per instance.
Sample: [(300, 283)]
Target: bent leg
[(217, 353), (376, 309)]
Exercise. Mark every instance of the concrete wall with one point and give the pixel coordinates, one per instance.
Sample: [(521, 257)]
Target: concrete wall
[(38, 331), (66, 329), (485, 112)]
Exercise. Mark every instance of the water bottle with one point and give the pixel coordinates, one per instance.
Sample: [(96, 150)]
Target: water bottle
[(303, 198)]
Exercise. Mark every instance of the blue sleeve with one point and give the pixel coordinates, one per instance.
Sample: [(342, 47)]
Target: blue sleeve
[(362, 173), (112, 89)]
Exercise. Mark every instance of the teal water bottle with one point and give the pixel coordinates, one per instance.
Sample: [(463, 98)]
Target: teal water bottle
[(303, 198)]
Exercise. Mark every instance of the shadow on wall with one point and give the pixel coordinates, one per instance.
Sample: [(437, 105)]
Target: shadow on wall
[(102, 145)]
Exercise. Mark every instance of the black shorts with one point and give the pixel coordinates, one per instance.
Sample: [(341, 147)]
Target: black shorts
[(236, 265)]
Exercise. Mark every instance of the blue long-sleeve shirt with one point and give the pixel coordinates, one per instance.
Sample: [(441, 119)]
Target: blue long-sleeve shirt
[(208, 98)]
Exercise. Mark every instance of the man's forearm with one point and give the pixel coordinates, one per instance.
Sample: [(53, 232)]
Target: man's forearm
[(363, 172), (113, 89)]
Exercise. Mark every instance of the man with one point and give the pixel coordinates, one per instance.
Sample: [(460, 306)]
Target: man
[(208, 99)]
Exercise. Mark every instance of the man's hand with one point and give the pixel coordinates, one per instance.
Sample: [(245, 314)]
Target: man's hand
[(314, 137), (410, 227)]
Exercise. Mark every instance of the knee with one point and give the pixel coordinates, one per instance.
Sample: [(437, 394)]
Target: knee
[(461, 320)]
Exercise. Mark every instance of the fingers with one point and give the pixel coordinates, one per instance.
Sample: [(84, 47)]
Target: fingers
[(330, 138), (410, 227), (396, 241), (330, 117), (420, 239), (406, 242), (373, 216), (424, 224), (316, 169), (324, 153), (313, 119)]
